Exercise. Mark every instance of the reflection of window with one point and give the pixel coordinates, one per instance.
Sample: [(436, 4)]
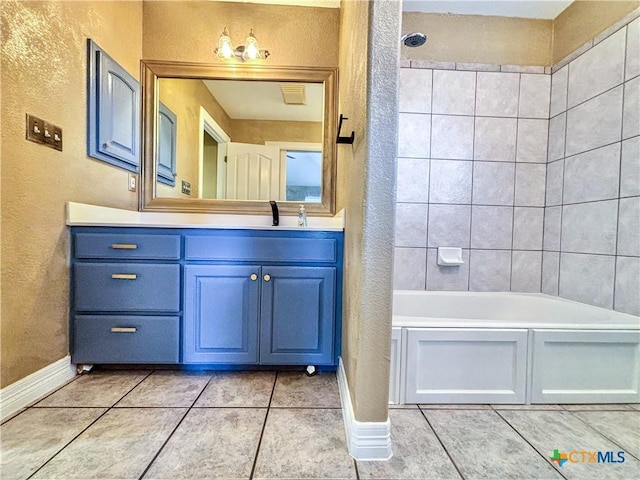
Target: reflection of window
[(304, 174)]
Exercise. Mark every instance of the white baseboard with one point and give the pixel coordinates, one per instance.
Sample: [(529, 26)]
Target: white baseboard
[(365, 440), (26, 391)]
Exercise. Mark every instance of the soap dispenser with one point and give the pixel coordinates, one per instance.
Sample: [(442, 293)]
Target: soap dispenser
[(302, 217)]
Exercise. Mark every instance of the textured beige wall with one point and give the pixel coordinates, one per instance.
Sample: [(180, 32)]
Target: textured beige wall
[(44, 73), (184, 98), (583, 20), (260, 131), (189, 31), (479, 39), (366, 179)]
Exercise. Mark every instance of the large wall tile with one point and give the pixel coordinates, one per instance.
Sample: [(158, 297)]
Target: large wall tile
[(532, 141), (495, 139), (527, 228), (598, 69), (411, 225), (587, 278), (449, 226), (555, 173), (447, 278), (633, 50), (559, 91), (631, 115), (534, 96), (409, 268), (592, 175), (629, 227), (630, 168), (413, 135), (415, 90), (526, 271), (412, 180), (489, 270), (452, 137), (454, 92), (493, 183), (557, 134), (552, 226), (450, 182), (627, 298), (497, 94), (550, 272), (530, 185), (590, 227), (491, 227), (594, 123)]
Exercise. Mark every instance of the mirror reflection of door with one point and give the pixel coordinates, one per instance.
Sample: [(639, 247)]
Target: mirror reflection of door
[(209, 167), (277, 127)]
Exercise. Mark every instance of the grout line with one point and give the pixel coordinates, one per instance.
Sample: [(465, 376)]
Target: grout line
[(426, 260), (174, 429), (529, 443), (473, 156), (74, 379), (441, 443), (601, 433), (515, 181), (264, 425), (70, 442), (355, 464)]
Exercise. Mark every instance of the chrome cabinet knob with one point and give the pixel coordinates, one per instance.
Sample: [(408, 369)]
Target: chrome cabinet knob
[(254, 277), (267, 277)]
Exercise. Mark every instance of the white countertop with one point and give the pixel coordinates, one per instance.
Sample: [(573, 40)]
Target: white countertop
[(84, 215)]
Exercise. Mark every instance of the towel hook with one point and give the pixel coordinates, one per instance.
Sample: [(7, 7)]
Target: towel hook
[(348, 140)]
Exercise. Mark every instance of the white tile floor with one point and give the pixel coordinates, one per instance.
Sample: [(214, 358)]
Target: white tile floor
[(284, 425)]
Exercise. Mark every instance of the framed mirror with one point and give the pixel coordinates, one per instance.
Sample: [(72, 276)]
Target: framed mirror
[(230, 138)]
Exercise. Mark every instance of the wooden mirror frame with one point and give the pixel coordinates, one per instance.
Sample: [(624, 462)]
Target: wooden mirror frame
[(151, 71)]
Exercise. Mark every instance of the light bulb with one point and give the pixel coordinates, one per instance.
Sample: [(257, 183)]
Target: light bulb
[(251, 49), (225, 47)]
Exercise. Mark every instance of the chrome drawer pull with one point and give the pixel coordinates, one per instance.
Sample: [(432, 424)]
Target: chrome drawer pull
[(124, 276), (124, 329), (124, 246)]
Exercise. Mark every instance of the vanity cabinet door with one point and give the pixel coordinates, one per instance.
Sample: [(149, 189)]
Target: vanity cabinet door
[(297, 315), (221, 304)]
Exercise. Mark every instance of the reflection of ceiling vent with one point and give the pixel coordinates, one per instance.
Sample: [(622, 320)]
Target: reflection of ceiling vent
[(293, 93)]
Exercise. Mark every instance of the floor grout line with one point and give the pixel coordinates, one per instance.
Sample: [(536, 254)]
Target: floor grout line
[(602, 434), (264, 425), (529, 443), (174, 429), (441, 444)]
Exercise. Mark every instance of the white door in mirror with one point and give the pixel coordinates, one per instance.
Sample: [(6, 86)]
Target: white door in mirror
[(253, 172)]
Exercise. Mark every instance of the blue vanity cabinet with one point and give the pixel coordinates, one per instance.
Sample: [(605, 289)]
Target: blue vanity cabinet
[(297, 315), (221, 307), (262, 297), (125, 302), (206, 297)]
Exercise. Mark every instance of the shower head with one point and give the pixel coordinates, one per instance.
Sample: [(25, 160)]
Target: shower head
[(414, 39)]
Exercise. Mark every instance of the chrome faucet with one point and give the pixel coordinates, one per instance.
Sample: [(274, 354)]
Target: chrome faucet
[(274, 213)]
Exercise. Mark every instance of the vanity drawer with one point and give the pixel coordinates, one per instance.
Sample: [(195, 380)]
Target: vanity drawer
[(126, 339), (261, 249), (127, 246), (126, 287)]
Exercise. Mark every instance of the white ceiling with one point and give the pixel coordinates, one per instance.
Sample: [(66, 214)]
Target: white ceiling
[(546, 9), (258, 100)]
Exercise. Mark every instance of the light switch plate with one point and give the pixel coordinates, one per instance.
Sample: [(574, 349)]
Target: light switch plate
[(133, 182), (35, 129)]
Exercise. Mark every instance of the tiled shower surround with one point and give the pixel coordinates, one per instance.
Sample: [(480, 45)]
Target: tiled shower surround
[(535, 176)]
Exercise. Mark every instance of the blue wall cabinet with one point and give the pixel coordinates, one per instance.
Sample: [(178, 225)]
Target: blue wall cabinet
[(221, 314), (167, 131), (113, 111), (297, 315)]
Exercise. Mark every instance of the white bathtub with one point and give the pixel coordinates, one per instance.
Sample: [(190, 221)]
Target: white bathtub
[(468, 347)]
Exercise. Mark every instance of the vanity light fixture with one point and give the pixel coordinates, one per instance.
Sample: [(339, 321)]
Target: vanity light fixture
[(244, 53)]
